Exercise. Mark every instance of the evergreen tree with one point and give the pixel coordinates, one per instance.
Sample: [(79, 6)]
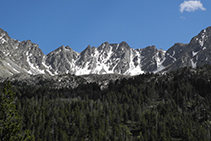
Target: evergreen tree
[(9, 119)]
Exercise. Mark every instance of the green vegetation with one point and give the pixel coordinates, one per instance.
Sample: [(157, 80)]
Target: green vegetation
[(175, 106), (9, 118)]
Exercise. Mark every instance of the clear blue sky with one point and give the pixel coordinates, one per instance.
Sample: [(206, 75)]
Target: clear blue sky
[(79, 23)]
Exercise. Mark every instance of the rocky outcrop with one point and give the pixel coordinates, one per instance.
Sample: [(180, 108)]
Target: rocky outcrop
[(26, 57)]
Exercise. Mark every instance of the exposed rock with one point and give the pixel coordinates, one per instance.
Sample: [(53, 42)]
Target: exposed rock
[(26, 58)]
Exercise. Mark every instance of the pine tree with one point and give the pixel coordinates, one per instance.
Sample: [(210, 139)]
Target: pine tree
[(9, 118)]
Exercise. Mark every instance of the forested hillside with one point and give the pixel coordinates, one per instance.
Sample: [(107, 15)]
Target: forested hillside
[(172, 106)]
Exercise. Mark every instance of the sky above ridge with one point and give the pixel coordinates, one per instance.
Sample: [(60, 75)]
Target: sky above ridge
[(78, 24)]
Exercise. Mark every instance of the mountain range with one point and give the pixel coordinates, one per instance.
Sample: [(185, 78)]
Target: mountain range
[(27, 58)]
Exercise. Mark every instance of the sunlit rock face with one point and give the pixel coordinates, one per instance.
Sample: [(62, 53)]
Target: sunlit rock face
[(26, 57)]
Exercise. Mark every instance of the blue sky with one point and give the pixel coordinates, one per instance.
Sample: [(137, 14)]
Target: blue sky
[(78, 24)]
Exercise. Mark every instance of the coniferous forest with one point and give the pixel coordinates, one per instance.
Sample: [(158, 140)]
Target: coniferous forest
[(149, 107)]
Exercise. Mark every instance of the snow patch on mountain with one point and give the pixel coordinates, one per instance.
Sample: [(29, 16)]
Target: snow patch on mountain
[(2, 38), (26, 57), (203, 38), (193, 64), (194, 53), (33, 68)]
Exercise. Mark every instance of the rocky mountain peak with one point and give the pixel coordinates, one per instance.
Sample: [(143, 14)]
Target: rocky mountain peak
[(27, 58), (69, 48), (104, 47), (3, 32), (63, 49), (106, 43), (123, 46), (4, 37), (87, 52), (202, 37), (206, 31)]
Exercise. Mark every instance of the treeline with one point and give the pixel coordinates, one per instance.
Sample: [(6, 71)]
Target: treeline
[(174, 106)]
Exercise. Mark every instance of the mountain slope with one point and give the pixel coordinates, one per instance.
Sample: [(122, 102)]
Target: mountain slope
[(196, 53), (26, 57), (19, 57)]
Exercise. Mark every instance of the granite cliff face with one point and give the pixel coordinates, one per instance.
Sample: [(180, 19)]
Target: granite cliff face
[(196, 53), (19, 57), (26, 58), (105, 59)]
